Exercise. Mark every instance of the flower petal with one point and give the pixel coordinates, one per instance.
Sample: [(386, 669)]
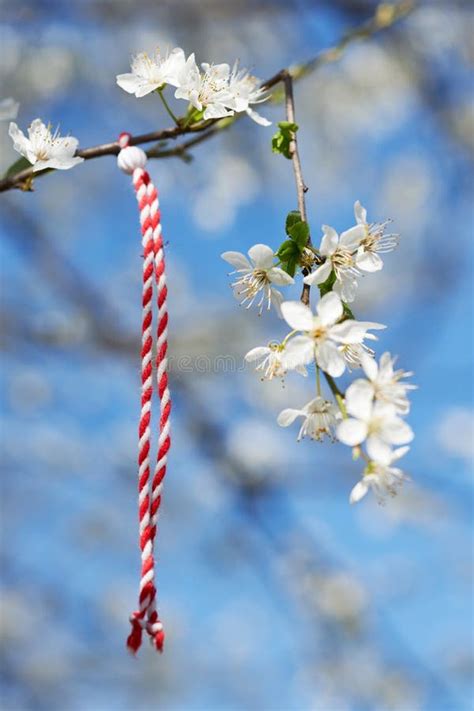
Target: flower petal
[(358, 492), (360, 213), (129, 82), (277, 300), (59, 163), (297, 315), (279, 277), (320, 274), (378, 450), (396, 431), (329, 359), (299, 351), (351, 238), (288, 416), (369, 365), (345, 287), (145, 87), (369, 262), (329, 308), (351, 432), (237, 259), (257, 353), (255, 116), (215, 111), (262, 256), (21, 144), (351, 331), (329, 241), (400, 452), (359, 399)]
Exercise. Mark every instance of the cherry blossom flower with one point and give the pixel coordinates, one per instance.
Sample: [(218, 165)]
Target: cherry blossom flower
[(322, 335), (8, 109), (375, 422), (320, 418), (374, 241), (44, 149), (384, 479), (385, 381), (245, 90), (339, 252), (257, 275), (151, 73), (274, 362), (207, 91)]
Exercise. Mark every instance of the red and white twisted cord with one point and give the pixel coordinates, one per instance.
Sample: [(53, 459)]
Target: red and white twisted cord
[(132, 160)]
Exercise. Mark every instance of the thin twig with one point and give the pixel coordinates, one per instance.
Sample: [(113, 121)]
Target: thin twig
[(181, 151), (384, 17), (301, 187)]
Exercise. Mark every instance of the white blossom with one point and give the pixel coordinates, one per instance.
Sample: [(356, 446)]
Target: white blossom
[(257, 275), (207, 91), (377, 423), (385, 381), (374, 241), (44, 149), (245, 90), (322, 334), (8, 109), (384, 479), (273, 361), (152, 72), (319, 418), (339, 252)]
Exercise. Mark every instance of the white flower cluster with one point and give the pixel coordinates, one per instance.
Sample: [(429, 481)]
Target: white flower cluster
[(213, 91), (368, 416), (216, 90), (43, 148), (351, 253)]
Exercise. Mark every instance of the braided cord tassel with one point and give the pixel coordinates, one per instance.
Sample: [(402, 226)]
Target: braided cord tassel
[(132, 160), (164, 440)]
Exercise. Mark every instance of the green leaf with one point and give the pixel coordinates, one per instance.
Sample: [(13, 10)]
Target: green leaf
[(299, 232), (290, 265), (288, 126), (18, 165), (286, 249), (327, 285), (282, 139), (292, 217)]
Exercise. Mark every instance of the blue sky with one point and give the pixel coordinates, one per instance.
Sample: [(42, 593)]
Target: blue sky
[(258, 541)]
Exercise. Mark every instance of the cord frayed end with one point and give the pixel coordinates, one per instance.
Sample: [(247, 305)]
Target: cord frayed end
[(134, 639), (159, 641)]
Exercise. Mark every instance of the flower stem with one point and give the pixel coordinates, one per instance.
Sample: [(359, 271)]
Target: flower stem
[(338, 396), (166, 105), (342, 407), (291, 333), (332, 384), (318, 380)]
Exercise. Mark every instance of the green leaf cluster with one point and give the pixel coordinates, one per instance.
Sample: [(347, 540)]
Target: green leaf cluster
[(290, 251), (281, 140)]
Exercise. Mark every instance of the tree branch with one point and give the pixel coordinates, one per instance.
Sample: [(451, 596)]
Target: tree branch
[(386, 14), (301, 188)]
